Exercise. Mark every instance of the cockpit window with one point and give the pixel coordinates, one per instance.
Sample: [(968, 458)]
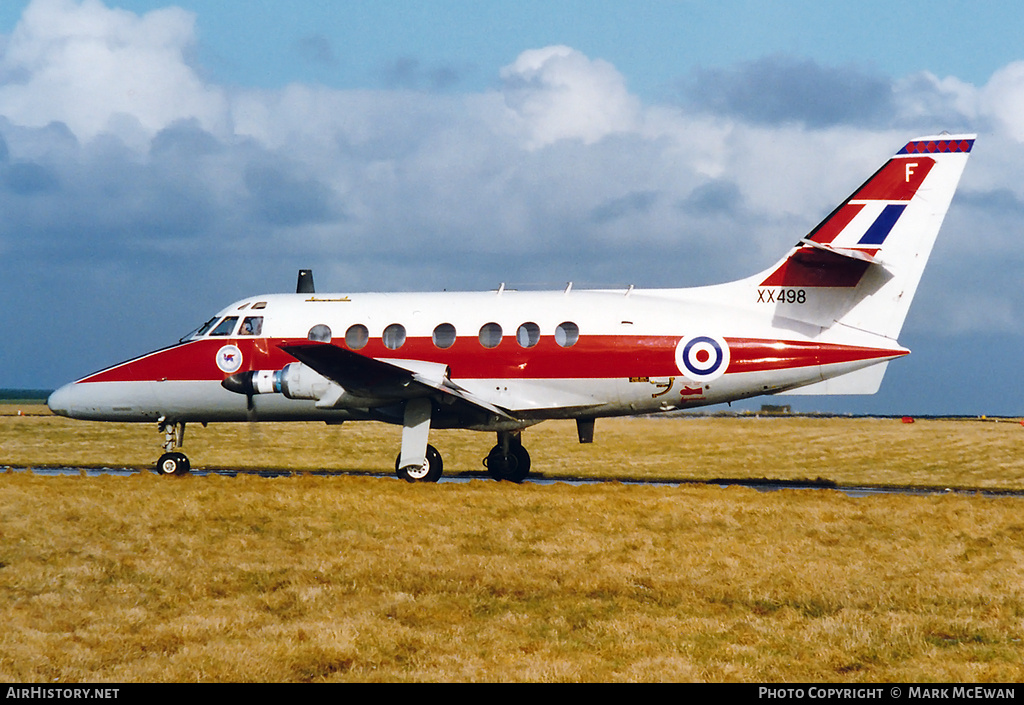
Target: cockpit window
[(205, 328), (226, 326), (253, 325)]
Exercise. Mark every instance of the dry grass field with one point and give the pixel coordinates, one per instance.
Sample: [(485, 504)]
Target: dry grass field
[(320, 578), (928, 453)]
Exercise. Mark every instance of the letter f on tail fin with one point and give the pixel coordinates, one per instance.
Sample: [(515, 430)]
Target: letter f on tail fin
[(861, 266)]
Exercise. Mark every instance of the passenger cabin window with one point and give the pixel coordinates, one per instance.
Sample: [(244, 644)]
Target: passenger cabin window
[(567, 334), (320, 334), (357, 337), (253, 325), (226, 326), (444, 336), (490, 335), (394, 336), (528, 335)]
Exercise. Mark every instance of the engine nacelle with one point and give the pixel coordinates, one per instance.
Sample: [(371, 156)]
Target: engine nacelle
[(299, 381), (294, 381)]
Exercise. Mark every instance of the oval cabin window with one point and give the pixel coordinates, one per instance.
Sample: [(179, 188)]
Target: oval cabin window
[(394, 336), (357, 337), (319, 333), (567, 334), (444, 336), (528, 335), (490, 335)]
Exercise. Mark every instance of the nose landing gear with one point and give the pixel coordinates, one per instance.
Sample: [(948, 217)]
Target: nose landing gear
[(172, 462)]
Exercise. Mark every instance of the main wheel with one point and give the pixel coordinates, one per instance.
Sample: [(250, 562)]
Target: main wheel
[(173, 464), (522, 463), (513, 467), (430, 471)]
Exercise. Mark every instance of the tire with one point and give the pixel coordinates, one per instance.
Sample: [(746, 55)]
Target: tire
[(430, 471), (522, 469), (513, 467), (173, 464)]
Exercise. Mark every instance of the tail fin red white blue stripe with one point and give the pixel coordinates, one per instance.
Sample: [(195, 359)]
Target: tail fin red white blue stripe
[(861, 266)]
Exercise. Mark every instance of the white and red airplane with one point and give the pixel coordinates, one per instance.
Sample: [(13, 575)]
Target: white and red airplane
[(823, 320)]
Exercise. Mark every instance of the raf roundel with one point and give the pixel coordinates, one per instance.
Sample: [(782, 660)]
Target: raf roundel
[(229, 359), (702, 358)]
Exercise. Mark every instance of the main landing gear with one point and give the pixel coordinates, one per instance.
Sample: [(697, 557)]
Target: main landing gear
[(421, 462), (173, 462), (429, 471), (508, 460)]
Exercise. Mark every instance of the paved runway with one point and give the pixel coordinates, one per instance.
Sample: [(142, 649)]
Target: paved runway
[(761, 485)]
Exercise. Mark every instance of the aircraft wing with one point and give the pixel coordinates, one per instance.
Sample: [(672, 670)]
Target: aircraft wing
[(377, 378)]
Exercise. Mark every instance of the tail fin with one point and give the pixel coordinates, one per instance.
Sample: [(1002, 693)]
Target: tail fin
[(861, 266)]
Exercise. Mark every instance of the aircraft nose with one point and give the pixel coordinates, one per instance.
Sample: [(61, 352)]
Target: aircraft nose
[(60, 402)]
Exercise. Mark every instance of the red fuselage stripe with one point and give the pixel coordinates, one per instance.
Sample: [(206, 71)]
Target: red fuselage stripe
[(593, 357)]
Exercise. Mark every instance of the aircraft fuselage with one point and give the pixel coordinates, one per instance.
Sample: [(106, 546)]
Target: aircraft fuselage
[(539, 355)]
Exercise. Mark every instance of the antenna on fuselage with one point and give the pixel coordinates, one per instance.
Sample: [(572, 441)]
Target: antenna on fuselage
[(305, 283)]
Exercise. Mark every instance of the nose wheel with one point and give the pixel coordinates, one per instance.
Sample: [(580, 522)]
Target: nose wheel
[(173, 462)]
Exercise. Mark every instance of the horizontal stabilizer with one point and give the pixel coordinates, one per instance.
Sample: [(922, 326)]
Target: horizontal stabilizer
[(859, 255)]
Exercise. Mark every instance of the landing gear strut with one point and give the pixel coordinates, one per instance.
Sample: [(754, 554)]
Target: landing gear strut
[(418, 461), (173, 462), (508, 460)]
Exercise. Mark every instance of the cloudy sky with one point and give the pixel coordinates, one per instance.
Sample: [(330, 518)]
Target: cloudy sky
[(161, 159)]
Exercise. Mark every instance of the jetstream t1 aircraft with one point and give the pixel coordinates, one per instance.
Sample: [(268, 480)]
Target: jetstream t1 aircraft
[(823, 320)]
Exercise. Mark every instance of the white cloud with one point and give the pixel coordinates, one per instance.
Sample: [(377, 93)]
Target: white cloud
[(84, 64), (558, 93), (1003, 99)]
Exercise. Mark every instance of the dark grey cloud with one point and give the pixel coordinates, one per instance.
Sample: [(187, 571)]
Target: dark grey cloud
[(713, 198), (317, 49), (282, 197), (624, 206), (185, 139), (27, 178), (998, 200), (782, 89), (409, 73)]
